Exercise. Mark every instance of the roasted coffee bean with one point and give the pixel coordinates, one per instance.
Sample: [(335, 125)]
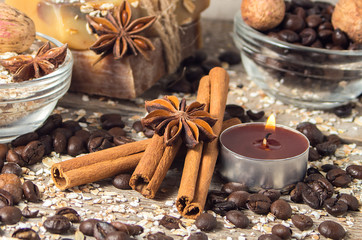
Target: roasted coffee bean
[(117, 132), (198, 236), (311, 131), (66, 131), (6, 199), (335, 207), (312, 198), (47, 127), (222, 208), (302, 222), (130, 229), (339, 38), (338, 177), (333, 138), (234, 110), (158, 236), (83, 134), (170, 222), (299, 11), (293, 23), (233, 187), (206, 222), (308, 36), (31, 191), (111, 120), (282, 231), (10, 215), (331, 229), (268, 237), (303, 3), (69, 213), (15, 191), (343, 111), (325, 25), (102, 229), (33, 152), (231, 57), (289, 36), (320, 185), (100, 133), (60, 142), (325, 35), (121, 181), (255, 115), (72, 125), (239, 198), (75, 146), (120, 140), (26, 234), (355, 171), (47, 142), (3, 151), (57, 224), (326, 148), (312, 170), (181, 85), (14, 157), (193, 73), (272, 194), (327, 167), (237, 218), (12, 168), (197, 58), (87, 226), (137, 126), (317, 44), (99, 143), (26, 212), (313, 21), (24, 139), (148, 132), (117, 236), (214, 197), (281, 209), (258, 203), (350, 200), (209, 64)]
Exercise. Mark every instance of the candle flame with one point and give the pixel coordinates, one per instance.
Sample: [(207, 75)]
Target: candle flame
[(270, 123)]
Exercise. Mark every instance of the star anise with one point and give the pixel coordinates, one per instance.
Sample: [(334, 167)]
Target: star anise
[(192, 122), (46, 60), (118, 34)]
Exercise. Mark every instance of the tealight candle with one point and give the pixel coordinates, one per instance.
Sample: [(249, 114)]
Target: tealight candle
[(263, 155)]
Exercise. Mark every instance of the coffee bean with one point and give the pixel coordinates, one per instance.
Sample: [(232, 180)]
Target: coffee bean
[(24, 139), (338, 177), (13, 156), (343, 111), (33, 152), (222, 208), (12, 168), (289, 36), (102, 229), (198, 236), (193, 73), (148, 132), (60, 142), (130, 229), (325, 25), (57, 224), (121, 181), (214, 197), (47, 142), (117, 236), (69, 213), (312, 170), (6, 199), (75, 146), (303, 3), (335, 207), (328, 167), (293, 23), (15, 191), (333, 138), (310, 130), (99, 143), (120, 140), (299, 11), (31, 191), (26, 212), (313, 20), (237, 218), (209, 64), (26, 234), (231, 57), (158, 236), (268, 237), (10, 215), (111, 120), (331, 229), (181, 85), (302, 222), (272, 194), (137, 126), (72, 125), (339, 38), (117, 132), (350, 200), (312, 198), (47, 127), (233, 187), (308, 36), (100, 133), (282, 231), (3, 150), (281, 209), (170, 222), (326, 148), (255, 116), (325, 35), (83, 134), (206, 222), (355, 171), (87, 226), (258, 203), (239, 198)]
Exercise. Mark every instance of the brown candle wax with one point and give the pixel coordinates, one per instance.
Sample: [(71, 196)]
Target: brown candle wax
[(246, 140)]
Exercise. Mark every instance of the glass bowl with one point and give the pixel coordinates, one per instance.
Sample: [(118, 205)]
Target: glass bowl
[(303, 76), (24, 106)]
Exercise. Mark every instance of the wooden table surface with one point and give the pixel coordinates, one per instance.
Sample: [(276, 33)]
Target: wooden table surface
[(102, 200)]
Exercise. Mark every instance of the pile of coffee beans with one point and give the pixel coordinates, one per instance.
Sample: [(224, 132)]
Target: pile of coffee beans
[(308, 23)]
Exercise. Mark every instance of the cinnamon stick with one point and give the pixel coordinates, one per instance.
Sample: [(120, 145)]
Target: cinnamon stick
[(219, 82), (98, 165)]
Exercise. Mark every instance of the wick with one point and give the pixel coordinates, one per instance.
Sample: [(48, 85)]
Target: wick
[(265, 140)]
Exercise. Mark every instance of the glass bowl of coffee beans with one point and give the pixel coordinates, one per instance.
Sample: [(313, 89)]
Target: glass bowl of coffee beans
[(303, 61), (25, 100)]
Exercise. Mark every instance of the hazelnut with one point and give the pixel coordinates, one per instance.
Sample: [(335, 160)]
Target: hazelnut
[(17, 31), (263, 14), (347, 16)]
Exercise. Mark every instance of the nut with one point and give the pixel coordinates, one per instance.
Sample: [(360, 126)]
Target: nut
[(17, 31), (347, 16), (263, 14)]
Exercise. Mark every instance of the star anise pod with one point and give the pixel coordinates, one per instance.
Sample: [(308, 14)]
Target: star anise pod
[(46, 60), (118, 34), (192, 122)]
